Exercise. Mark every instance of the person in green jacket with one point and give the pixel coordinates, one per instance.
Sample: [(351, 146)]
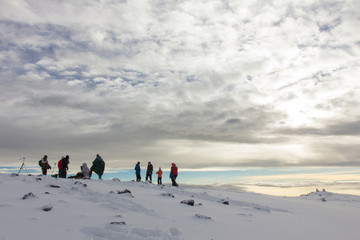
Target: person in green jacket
[(98, 166)]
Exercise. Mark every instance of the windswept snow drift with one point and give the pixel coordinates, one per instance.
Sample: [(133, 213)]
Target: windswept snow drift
[(42, 207)]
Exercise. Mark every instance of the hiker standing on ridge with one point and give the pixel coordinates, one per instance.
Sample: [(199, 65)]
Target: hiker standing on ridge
[(137, 172), (173, 174), (159, 173), (44, 164), (98, 166), (64, 166), (59, 166), (149, 172)]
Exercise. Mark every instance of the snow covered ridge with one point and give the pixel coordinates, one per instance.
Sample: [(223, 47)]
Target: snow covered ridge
[(329, 196), (42, 207)]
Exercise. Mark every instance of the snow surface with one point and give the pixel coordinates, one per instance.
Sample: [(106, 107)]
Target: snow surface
[(42, 207)]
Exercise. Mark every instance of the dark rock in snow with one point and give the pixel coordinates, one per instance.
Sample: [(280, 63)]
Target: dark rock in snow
[(168, 195), (118, 223), (47, 208), (14, 175), (323, 199), (225, 202), (30, 194), (83, 184), (188, 202), (202, 216), (54, 186), (38, 179), (47, 193), (126, 191)]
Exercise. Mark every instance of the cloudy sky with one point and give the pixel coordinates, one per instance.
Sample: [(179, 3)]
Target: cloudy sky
[(205, 84)]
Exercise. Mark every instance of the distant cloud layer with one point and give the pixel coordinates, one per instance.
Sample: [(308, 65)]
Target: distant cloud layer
[(201, 83)]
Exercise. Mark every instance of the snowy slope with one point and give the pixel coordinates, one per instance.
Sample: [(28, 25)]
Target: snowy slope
[(94, 209)]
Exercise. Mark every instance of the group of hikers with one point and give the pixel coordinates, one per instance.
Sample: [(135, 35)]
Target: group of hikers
[(98, 166), (149, 172)]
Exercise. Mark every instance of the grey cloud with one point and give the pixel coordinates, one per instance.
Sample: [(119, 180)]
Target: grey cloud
[(131, 77), (342, 129), (345, 128), (233, 121)]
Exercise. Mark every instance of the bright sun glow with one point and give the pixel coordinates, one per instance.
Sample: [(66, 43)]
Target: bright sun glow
[(298, 112)]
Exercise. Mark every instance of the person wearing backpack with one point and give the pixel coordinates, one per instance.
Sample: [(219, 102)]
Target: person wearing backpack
[(44, 164)]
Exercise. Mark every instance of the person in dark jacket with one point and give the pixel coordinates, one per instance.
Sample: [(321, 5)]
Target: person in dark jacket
[(137, 172), (149, 171), (173, 174), (98, 166), (64, 166), (44, 164)]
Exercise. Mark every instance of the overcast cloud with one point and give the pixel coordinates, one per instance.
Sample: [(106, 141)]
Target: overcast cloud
[(201, 83)]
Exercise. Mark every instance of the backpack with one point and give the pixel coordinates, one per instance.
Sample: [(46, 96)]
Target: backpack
[(40, 164)]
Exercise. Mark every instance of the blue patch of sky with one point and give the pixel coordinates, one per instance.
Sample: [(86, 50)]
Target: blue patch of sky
[(76, 73), (48, 31), (192, 78), (133, 82), (230, 87), (325, 28), (30, 55)]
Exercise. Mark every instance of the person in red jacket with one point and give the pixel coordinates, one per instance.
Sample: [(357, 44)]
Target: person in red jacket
[(159, 173), (173, 174), (64, 166), (59, 165)]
